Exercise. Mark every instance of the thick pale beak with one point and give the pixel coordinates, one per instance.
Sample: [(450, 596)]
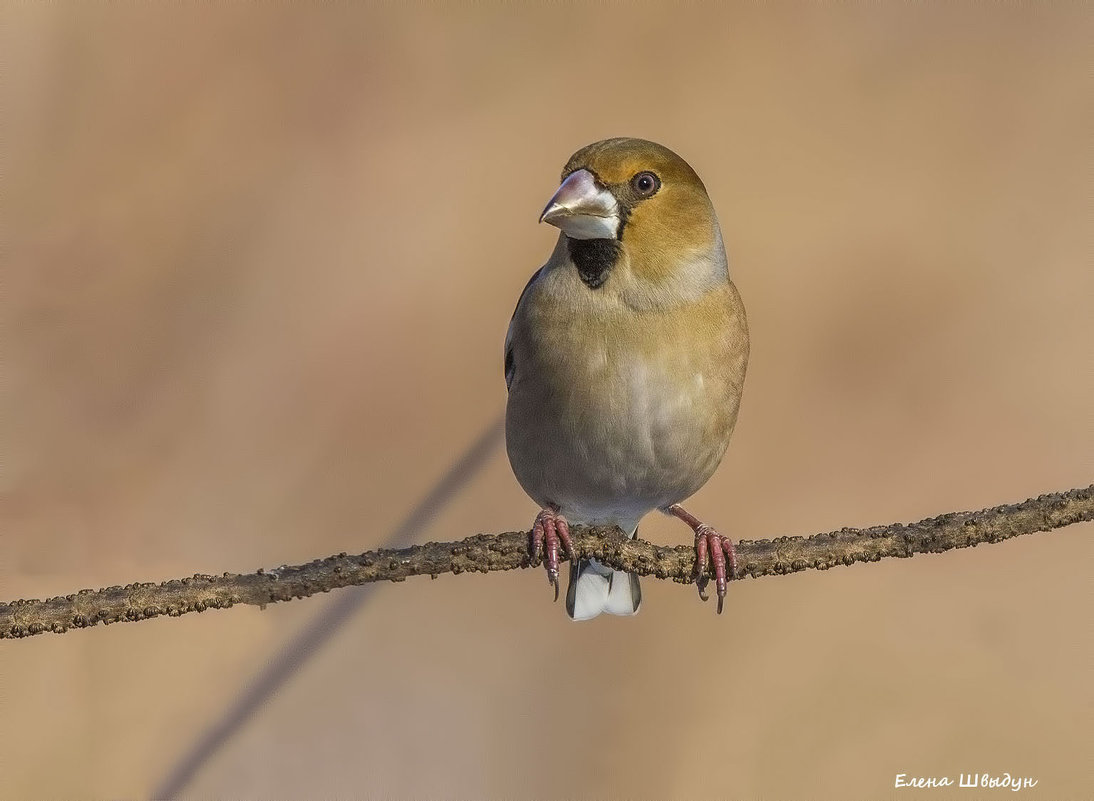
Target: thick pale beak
[(582, 209)]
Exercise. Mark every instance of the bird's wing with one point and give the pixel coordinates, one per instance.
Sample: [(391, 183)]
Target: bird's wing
[(510, 364)]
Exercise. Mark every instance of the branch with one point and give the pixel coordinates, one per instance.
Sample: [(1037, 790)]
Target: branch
[(486, 552)]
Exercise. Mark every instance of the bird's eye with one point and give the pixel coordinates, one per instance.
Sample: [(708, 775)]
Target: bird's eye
[(645, 183)]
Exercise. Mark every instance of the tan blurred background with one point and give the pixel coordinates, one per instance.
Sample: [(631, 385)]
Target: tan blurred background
[(260, 262)]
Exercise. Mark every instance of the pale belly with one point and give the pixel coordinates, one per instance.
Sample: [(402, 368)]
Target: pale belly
[(612, 432)]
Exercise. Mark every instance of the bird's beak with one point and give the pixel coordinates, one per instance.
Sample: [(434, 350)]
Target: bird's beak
[(582, 209)]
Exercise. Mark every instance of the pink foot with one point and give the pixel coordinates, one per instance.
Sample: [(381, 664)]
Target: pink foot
[(720, 550), (551, 529)]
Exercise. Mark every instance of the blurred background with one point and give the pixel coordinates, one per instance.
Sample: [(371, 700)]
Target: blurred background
[(260, 264)]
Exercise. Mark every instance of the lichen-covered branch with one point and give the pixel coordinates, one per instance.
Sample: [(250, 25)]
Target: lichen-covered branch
[(486, 552)]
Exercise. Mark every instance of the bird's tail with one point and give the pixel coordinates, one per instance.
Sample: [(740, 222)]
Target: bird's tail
[(595, 588)]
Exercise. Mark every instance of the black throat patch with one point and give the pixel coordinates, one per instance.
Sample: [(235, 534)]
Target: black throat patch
[(594, 259)]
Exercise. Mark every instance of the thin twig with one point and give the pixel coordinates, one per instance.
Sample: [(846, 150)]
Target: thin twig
[(487, 552)]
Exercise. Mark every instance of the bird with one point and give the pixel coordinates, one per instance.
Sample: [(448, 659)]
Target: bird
[(625, 360)]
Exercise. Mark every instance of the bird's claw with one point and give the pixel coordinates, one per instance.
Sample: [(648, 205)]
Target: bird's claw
[(549, 532), (701, 583), (721, 552)]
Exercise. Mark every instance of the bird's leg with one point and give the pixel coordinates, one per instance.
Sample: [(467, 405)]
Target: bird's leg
[(551, 529), (720, 549)]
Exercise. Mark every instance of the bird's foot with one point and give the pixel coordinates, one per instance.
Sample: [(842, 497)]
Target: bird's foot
[(550, 531), (722, 554), (712, 546)]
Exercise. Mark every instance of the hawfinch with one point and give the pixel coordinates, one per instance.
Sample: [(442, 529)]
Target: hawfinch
[(624, 362)]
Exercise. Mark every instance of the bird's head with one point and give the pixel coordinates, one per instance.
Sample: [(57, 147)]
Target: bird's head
[(636, 202)]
